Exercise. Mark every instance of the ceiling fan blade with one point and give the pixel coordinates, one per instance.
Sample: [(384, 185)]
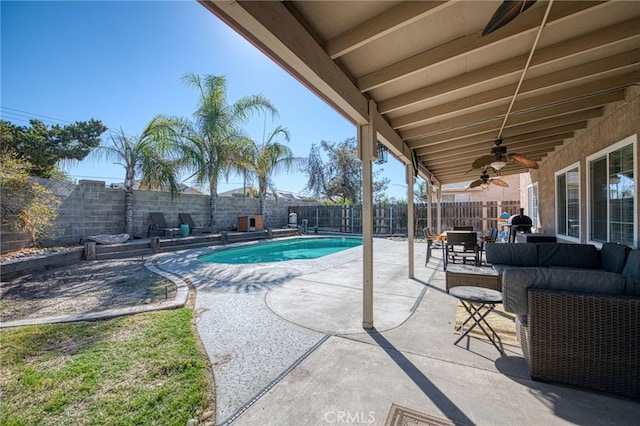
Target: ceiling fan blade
[(483, 161), (475, 184), (505, 13), (523, 160), (499, 182)]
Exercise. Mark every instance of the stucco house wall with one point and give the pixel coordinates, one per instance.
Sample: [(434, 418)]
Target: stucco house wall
[(620, 121)]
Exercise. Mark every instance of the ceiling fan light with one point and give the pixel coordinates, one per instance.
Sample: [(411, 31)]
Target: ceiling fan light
[(497, 165), (484, 185)]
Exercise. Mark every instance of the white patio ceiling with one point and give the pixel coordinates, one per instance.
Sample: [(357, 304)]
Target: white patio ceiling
[(441, 88)]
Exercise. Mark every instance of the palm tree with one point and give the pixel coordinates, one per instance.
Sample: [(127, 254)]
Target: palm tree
[(269, 158), (143, 157), (420, 192), (209, 144)]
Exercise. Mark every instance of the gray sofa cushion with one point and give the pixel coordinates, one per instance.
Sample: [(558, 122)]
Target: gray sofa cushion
[(516, 281), (569, 255), (631, 273), (632, 286), (614, 256), (499, 268), (632, 267), (512, 254)]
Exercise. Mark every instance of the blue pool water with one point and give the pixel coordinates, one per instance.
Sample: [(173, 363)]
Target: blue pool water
[(277, 251)]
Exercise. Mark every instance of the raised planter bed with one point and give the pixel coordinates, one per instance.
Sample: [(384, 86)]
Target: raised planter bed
[(137, 248), (17, 267)]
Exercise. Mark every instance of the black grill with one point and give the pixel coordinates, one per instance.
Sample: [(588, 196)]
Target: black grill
[(519, 223)]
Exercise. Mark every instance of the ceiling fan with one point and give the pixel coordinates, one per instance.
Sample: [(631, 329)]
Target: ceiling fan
[(505, 13), (499, 157), (484, 181)]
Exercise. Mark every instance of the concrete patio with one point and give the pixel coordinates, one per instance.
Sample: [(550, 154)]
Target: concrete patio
[(287, 347)]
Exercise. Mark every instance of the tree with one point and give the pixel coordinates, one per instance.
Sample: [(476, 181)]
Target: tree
[(380, 186), (26, 206), (142, 157), (420, 194), (211, 143), (44, 148), (268, 158), (340, 177)]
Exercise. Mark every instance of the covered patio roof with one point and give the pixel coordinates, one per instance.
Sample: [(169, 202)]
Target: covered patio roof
[(441, 88)]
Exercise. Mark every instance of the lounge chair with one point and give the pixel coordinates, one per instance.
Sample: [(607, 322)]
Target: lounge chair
[(193, 227), (159, 225)]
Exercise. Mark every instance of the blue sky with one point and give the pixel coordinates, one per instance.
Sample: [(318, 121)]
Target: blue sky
[(121, 62)]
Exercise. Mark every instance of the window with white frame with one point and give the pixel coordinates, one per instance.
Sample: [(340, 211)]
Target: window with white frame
[(612, 188), (568, 202), (456, 198), (532, 202)]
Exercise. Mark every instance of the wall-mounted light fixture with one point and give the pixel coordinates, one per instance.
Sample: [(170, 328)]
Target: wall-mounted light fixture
[(382, 156)]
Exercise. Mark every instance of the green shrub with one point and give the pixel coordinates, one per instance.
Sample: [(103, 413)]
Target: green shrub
[(26, 206)]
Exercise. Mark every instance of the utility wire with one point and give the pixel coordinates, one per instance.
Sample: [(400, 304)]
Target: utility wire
[(28, 114), (15, 114)]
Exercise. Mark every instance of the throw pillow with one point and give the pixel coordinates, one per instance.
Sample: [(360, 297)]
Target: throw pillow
[(614, 256), (632, 267)]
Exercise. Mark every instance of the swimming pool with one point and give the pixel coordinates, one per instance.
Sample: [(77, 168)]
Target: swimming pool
[(277, 251)]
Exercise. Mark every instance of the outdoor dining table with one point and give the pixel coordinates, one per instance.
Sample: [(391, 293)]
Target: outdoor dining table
[(442, 238)]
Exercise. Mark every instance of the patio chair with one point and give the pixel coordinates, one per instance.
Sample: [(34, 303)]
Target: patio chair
[(463, 245), (463, 228), (159, 225), (431, 238), (492, 236), (194, 227)]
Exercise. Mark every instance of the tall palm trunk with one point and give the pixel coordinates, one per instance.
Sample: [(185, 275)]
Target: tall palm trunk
[(262, 188), (128, 212), (213, 203), (128, 201)]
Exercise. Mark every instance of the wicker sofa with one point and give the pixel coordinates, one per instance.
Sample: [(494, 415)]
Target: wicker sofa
[(577, 310)]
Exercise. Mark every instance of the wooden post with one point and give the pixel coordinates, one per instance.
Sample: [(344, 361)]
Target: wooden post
[(485, 217), (155, 245), (439, 208), (367, 138), (90, 250), (410, 216)]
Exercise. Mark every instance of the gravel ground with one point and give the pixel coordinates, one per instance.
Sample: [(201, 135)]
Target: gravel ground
[(80, 288)]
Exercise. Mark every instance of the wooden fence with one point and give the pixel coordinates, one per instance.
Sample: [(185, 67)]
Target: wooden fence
[(391, 219)]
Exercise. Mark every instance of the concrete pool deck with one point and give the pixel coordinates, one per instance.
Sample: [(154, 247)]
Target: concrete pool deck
[(287, 347)]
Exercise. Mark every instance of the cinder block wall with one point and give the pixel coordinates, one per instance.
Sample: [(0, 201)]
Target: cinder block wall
[(92, 208), (145, 202), (88, 208)]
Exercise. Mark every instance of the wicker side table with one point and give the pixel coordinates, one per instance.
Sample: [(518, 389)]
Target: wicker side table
[(477, 276)]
